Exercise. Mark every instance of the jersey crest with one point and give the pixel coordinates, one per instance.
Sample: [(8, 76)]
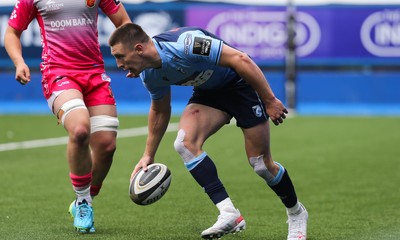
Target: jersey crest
[(90, 3)]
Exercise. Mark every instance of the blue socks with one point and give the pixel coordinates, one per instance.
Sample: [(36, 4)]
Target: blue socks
[(205, 173), (285, 190)]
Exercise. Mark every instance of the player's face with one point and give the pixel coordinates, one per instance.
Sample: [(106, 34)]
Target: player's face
[(127, 59)]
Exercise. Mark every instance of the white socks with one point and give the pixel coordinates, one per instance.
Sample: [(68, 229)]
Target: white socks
[(226, 205), (83, 194), (295, 210)]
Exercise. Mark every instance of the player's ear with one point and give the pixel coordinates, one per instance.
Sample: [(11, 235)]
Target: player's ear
[(139, 49)]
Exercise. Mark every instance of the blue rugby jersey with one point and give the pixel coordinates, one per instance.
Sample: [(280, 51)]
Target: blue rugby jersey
[(190, 57)]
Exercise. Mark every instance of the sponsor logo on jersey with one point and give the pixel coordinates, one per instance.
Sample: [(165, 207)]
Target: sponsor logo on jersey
[(91, 3), (257, 110), (64, 23), (51, 5), (105, 77), (187, 42), (202, 46)]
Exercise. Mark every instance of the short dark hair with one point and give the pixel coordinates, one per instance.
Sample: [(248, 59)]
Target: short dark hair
[(128, 34)]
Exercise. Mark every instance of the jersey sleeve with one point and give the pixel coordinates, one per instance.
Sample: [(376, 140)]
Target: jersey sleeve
[(206, 48), (109, 7), (156, 91), (23, 14)]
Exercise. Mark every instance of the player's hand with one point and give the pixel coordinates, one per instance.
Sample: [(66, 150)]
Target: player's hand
[(276, 111), (22, 74), (143, 163)]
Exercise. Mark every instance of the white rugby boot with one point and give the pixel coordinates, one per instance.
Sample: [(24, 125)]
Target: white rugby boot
[(298, 225), (228, 222)]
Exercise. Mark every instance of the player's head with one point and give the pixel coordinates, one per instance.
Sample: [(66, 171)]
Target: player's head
[(128, 35), (130, 47)]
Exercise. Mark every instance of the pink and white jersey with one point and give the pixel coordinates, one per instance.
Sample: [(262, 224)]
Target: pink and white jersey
[(68, 30)]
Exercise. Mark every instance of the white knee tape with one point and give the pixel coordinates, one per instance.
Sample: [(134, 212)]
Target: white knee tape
[(68, 107), (185, 154), (103, 123), (259, 167)]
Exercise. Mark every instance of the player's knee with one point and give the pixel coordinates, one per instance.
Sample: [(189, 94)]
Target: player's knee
[(258, 165), (80, 135), (109, 147), (68, 107), (180, 147), (179, 144), (105, 145), (261, 169)]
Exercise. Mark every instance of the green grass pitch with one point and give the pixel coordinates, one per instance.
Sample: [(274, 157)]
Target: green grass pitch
[(345, 169)]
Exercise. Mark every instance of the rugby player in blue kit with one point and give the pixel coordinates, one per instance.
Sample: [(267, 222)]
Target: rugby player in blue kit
[(226, 84)]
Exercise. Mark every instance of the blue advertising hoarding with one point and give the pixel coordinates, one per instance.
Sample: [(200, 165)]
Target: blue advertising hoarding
[(325, 35), (331, 34)]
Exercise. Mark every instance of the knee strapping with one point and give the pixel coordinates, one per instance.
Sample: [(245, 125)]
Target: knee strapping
[(180, 147), (259, 167), (68, 107), (103, 123)]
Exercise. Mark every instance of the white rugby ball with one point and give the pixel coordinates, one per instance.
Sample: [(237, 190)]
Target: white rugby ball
[(148, 187)]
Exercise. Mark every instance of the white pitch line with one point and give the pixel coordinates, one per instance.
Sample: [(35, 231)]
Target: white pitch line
[(48, 142)]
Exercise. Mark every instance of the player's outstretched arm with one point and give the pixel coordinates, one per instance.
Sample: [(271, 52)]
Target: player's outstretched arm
[(158, 119), (250, 72), (12, 44)]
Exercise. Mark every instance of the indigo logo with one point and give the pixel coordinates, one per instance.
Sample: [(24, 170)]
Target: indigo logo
[(263, 34), (380, 33)]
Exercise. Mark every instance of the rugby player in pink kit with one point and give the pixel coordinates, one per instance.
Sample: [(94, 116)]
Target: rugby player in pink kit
[(75, 86)]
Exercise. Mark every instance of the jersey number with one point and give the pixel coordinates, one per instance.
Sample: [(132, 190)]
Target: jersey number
[(200, 79)]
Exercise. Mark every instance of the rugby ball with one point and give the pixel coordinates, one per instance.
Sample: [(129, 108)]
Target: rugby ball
[(148, 187)]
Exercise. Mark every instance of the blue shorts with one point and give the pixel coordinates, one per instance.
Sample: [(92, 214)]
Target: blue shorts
[(239, 100)]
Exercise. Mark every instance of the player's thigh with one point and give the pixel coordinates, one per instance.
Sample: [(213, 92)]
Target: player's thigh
[(257, 140), (199, 122), (65, 96), (108, 110), (76, 116)]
